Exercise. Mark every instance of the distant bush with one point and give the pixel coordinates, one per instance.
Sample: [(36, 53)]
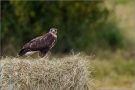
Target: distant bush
[(111, 36), (69, 73)]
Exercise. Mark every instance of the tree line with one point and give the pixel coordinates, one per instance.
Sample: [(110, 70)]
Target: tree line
[(81, 25)]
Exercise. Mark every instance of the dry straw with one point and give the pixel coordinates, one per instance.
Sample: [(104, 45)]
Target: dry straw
[(69, 73)]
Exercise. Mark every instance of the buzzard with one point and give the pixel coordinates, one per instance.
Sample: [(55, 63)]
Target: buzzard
[(41, 44)]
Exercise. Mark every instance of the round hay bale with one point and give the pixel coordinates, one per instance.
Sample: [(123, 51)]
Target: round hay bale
[(69, 73)]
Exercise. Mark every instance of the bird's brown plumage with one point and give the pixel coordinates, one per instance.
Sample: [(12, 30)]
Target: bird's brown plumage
[(42, 44)]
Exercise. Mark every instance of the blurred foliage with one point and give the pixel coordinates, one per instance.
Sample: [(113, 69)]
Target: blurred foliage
[(81, 25), (121, 1)]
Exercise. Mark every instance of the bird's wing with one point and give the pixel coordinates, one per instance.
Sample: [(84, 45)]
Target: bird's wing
[(40, 42)]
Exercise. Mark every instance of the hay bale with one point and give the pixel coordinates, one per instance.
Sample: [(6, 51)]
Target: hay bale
[(68, 73)]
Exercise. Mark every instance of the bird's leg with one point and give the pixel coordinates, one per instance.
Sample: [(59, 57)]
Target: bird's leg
[(41, 54)]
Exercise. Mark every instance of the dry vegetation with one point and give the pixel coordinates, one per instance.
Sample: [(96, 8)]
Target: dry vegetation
[(69, 73)]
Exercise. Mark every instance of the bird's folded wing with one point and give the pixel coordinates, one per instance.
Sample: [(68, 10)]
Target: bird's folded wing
[(40, 42)]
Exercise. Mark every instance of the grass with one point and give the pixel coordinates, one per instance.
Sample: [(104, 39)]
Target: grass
[(110, 75), (68, 73), (116, 70)]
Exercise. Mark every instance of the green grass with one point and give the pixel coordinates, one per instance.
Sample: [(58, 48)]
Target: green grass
[(116, 71), (116, 67)]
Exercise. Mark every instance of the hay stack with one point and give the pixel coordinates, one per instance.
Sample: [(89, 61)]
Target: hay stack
[(68, 73)]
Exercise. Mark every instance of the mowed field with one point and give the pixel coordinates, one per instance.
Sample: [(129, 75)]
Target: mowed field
[(113, 73), (77, 72)]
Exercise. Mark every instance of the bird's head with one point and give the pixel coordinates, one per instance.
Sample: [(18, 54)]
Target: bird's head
[(53, 31)]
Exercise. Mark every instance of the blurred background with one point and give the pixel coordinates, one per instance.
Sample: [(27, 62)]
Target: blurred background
[(103, 28)]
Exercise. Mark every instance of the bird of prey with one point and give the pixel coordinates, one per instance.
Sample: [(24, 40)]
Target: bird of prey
[(41, 44)]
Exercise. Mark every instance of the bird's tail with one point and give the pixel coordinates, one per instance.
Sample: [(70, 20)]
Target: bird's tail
[(22, 52)]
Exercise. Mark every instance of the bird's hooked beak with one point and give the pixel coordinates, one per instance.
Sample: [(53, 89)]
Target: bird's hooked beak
[(53, 31)]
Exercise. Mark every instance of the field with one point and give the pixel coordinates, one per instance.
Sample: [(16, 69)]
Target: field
[(116, 72), (73, 71)]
